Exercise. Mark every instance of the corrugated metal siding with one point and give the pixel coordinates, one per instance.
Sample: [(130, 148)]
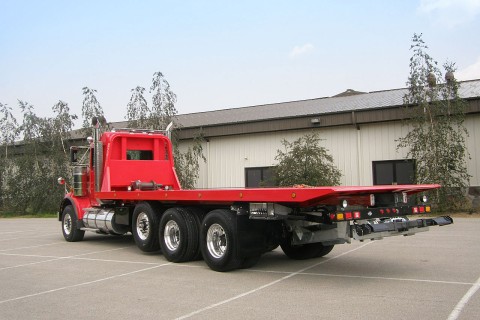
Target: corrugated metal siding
[(353, 151), (378, 143), (227, 157)]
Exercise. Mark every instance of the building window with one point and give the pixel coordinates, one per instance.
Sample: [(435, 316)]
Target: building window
[(393, 172), (259, 177)]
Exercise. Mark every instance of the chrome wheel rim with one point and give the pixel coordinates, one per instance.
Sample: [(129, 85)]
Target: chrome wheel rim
[(172, 235), (67, 224), (216, 241), (143, 226)]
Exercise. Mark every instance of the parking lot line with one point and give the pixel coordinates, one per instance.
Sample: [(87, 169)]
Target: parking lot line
[(62, 258), (20, 231), (76, 258), (463, 302), (32, 247), (83, 283), (396, 268), (288, 276), (365, 277), (31, 237)]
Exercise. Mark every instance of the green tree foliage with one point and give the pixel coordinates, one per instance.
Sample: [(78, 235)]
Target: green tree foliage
[(90, 108), (29, 182), (304, 161), (60, 128), (157, 117), (30, 167), (162, 111), (187, 164), (163, 102), (138, 112), (9, 131), (8, 128), (436, 114)]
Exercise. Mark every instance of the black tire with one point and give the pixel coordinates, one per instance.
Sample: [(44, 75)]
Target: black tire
[(178, 235), (305, 251), (271, 247), (70, 230), (219, 241), (324, 250), (145, 222), (249, 262), (198, 215)]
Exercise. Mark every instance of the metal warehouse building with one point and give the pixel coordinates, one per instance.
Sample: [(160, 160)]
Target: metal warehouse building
[(359, 130)]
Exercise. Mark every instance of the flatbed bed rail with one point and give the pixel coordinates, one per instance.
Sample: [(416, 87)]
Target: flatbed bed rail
[(302, 197)]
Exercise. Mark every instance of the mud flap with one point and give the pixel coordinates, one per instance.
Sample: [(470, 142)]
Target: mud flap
[(256, 236)]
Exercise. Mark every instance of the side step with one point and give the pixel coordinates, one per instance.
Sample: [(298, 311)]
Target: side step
[(375, 231)]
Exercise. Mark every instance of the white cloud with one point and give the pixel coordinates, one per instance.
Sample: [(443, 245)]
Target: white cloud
[(469, 73), (300, 50), (449, 13)]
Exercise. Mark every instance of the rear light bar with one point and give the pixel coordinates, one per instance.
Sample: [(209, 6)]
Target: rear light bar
[(371, 213)]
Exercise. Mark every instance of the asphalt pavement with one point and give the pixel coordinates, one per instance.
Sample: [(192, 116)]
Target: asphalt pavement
[(432, 275)]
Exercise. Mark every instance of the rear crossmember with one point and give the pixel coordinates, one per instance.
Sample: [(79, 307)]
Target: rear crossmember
[(275, 211), (398, 226), (372, 213)]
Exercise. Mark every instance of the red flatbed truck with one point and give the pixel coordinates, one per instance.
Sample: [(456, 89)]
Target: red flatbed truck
[(125, 181)]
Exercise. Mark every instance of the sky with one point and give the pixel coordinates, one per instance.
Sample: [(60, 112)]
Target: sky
[(222, 54)]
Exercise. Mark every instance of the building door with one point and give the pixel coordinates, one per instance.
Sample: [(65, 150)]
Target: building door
[(393, 172)]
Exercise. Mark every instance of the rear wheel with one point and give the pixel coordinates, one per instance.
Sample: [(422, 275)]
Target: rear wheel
[(198, 215), (219, 241), (249, 262), (179, 235), (145, 227), (324, 250), (70, 229), (305, 251)]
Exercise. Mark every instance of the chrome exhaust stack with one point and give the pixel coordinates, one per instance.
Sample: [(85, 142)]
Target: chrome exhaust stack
[(98, 123), (168, 130)]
